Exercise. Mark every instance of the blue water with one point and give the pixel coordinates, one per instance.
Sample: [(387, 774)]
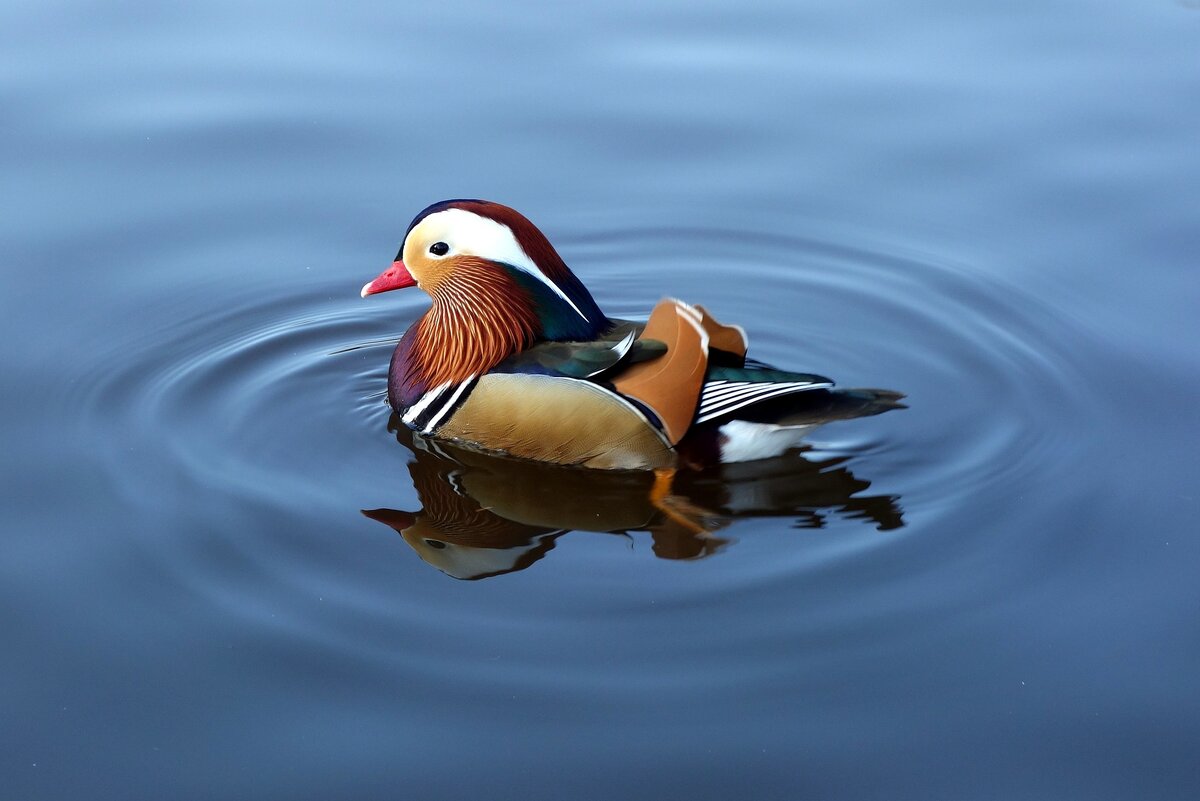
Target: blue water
[(989, 595)]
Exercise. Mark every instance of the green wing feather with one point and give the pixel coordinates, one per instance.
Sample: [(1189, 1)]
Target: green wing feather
[(586, 360), (762, 376)]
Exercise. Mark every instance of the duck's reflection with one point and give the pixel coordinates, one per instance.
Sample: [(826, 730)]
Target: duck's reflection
[(483, 515)]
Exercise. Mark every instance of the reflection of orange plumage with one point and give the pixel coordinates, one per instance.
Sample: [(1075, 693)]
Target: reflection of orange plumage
[(515, 356), (484, 515)]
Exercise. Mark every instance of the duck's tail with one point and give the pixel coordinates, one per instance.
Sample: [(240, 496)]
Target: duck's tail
[(774, 425)]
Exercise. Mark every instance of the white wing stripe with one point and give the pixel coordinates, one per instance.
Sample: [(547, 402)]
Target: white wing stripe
[(709, 389), (713, 408), (734, 390), (757, 392), (770, 391), (737, 403), (710, 400), (714, 413)]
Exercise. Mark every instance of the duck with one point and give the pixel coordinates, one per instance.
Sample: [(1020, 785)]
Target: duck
[(515, 357)]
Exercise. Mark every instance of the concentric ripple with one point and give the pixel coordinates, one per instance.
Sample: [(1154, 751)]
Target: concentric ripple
[(234, 398), (274, 410), (988, 368)]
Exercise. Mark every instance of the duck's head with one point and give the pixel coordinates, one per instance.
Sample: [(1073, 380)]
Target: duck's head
[(471, 253)]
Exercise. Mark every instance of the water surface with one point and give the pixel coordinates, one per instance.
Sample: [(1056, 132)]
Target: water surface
[(991, 594)]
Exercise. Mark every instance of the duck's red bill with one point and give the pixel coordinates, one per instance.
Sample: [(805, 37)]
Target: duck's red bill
[(395, 277)]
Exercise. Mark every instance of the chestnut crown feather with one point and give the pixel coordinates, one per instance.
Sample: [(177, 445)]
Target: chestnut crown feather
[(504, 237)]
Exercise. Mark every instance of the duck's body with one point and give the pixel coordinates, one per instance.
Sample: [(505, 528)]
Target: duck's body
[(516, 357)]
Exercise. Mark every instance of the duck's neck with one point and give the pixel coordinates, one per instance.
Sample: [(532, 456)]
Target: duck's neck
[(475, 322), (485, 314)]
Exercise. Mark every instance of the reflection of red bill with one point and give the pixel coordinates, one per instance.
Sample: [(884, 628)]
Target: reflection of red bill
[(392, 517)]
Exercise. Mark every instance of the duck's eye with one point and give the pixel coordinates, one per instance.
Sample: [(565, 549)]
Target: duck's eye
[(439, 248)]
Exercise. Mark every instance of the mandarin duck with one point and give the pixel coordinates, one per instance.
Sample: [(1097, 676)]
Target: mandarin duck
[(514, 356)]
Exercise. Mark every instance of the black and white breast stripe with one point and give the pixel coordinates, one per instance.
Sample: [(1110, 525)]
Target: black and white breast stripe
[(435, 406), (720, 397)]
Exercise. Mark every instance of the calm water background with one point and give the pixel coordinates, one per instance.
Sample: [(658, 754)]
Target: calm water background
[(992, 207)]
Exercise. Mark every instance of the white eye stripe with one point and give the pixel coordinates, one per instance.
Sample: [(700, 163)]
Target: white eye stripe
[(470, 234)]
